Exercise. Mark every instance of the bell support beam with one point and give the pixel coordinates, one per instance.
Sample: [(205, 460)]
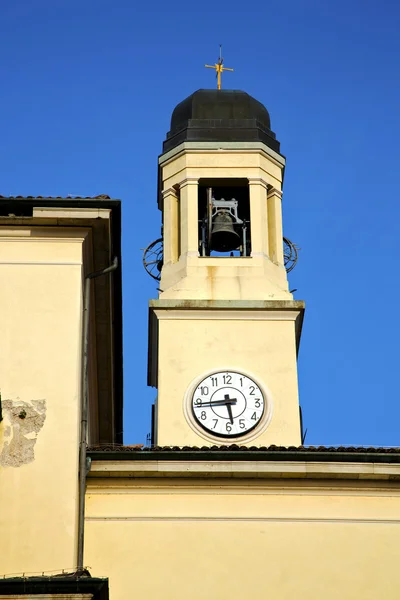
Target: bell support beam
[(258, 217), (274, 203), (189, 217), (171, 225)]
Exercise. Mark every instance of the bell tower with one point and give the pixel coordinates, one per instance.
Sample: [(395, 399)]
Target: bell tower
[(225, 330)]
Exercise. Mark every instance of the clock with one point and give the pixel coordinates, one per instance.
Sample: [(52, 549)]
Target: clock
[(228, 404)]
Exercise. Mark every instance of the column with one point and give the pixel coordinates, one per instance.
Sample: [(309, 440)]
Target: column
[(189, 217), (274, 202), (170, 225), (258, 217)]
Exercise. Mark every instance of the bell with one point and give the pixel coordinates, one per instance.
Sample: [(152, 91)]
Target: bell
[(223, 235)]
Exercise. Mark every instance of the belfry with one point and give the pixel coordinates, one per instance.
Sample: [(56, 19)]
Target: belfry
[(225, 322)]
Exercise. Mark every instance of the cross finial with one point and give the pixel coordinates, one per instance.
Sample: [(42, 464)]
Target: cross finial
[(219, 67)]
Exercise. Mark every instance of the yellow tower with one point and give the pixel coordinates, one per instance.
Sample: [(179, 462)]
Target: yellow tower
[(225, 330)]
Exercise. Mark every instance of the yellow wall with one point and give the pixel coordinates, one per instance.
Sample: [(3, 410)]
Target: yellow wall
[(259, 344), (40, 357), (179, 539), (236, 159)]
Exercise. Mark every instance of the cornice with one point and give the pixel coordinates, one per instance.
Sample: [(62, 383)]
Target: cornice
[(171, 191), (228, 467), (228, 147), (188, 181), (258, 181), (274, 192), (268, 305), (40, 234)]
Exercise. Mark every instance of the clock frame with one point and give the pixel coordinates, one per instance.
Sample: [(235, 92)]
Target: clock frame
[(228, 405)]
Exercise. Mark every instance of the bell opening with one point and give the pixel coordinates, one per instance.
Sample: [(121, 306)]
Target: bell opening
[(224, 217)]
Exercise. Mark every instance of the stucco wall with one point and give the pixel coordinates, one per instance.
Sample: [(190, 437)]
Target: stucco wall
[(219, 539), (259, 343), (40, 345)]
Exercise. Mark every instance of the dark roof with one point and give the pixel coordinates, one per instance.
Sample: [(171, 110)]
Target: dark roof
[(220, 116), (64, 583), (21, 206), (245, 453)]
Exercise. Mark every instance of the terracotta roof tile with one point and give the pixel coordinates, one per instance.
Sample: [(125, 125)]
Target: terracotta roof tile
[(234, 452), (138, 448)]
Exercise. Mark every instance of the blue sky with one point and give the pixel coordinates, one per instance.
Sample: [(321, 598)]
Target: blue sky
[(87, 90)]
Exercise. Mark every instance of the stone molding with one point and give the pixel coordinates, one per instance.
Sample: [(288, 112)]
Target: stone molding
[(188, 181), (231, 315), (169, 192), (258, 181), (263, 469), (228, 147), (274, 192)]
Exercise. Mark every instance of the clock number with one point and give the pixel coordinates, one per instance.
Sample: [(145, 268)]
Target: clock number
[(227, 404)]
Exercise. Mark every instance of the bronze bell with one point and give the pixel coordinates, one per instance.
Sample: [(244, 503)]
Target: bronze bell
[(223, 235)]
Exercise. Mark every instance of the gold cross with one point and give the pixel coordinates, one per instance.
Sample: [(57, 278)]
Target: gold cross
[(219, 67)]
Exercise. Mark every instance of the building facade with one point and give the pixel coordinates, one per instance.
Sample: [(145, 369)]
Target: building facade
[(227, 502)]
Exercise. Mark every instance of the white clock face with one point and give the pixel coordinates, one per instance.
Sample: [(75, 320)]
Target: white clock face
[(228, 404)]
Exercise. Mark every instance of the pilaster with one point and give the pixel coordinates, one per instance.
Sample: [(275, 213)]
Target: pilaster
[(171, 226), (274, 203), (189, 217), (258, 217)]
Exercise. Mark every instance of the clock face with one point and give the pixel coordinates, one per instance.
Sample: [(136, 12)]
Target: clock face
[(228, 404)]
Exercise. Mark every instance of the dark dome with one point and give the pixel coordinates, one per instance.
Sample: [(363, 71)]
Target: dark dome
[(220, 116)]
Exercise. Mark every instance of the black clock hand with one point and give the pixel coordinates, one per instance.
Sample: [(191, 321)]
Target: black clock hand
[(229, 407), (217, 403)]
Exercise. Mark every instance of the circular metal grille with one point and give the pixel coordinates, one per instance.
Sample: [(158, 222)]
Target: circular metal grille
[(153, 259), (290, 254)]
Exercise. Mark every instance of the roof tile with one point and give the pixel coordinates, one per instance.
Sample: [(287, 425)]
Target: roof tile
[(237, 448)]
